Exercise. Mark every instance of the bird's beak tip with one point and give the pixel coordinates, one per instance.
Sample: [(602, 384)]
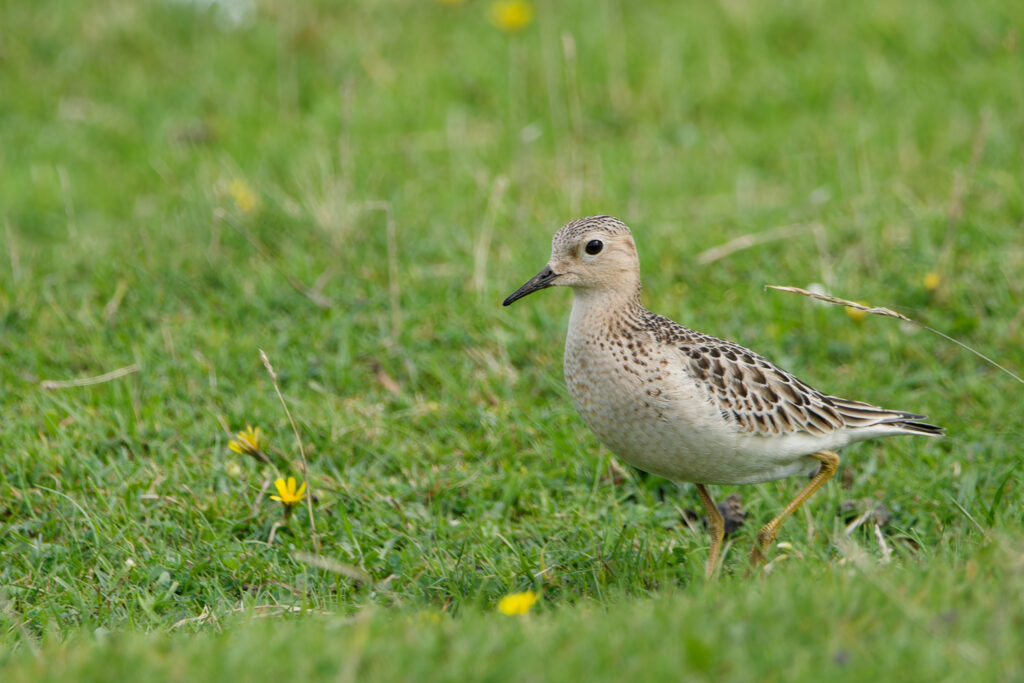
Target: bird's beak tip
[(539, 281)]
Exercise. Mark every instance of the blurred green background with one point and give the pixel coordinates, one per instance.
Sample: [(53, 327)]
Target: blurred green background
[(353, 188)]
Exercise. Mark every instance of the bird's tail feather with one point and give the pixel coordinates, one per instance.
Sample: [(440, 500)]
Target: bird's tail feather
[(858, 414)]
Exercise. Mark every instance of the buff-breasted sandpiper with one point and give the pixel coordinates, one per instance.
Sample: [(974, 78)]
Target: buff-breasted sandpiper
[(684, 405)]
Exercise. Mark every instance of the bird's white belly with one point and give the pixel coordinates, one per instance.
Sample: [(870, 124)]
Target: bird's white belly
[(653, 415)]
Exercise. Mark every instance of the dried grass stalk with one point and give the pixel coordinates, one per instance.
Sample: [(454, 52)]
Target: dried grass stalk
[(888, 312)]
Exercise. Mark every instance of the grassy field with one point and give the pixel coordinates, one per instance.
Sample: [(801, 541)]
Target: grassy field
[(353, 188)]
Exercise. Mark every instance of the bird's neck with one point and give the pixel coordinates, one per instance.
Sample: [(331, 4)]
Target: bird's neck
[(594, 308)]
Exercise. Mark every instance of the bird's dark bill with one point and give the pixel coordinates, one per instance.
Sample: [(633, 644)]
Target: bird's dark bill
[(539, 281)]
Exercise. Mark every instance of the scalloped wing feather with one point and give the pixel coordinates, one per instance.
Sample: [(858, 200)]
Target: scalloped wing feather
[(762, 398)]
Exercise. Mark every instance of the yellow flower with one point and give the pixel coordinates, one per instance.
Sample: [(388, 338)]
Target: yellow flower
[(287, 493), (932, 281), (511, 16), (856, 316), (249, 441), (517, 603), (246, 200)]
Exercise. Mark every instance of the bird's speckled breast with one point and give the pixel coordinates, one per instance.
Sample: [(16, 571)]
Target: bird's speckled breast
[(617, 376), (640, 399)]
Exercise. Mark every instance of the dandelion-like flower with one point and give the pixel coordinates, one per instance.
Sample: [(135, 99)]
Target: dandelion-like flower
[(289, 493), (248, 442), (511, 16), (517, 603), (246, 200), (932, 281)]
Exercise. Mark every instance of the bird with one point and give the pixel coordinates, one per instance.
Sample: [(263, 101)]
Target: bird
[(687, 406)]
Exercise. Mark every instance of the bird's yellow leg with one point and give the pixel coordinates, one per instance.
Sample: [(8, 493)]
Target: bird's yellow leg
[(716, 526), (767, 534)]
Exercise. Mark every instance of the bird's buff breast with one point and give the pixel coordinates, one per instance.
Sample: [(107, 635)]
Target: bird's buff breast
[(648, 412), (620, 392)]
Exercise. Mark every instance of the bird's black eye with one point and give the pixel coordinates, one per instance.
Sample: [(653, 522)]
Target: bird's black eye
[(594, 247)]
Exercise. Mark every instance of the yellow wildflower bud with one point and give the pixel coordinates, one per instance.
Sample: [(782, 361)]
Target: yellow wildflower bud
[(511, 16), (246, 200), (517, 603), (856, 315), (248, 441)]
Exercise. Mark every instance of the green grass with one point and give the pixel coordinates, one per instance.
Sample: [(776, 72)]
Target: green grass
[(411, 163)]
